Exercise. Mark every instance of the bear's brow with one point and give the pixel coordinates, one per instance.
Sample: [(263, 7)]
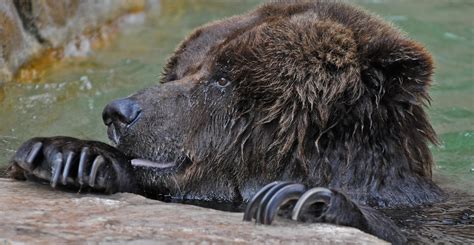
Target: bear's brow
[(193, 51)]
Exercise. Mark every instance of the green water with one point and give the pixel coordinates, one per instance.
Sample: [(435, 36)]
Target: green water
[(69, 99)]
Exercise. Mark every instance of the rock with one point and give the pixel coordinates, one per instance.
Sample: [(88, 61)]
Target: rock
[(16, 45), (33, 213), (30, 28), (59, 22)]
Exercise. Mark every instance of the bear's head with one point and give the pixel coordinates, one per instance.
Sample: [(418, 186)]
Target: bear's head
[(317, 92)]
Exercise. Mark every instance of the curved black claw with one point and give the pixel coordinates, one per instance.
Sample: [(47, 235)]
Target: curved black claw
[(67, 167), (28, 154), (33, 153), (266, 199), (265, 204), (319, 205), (82, 165), (250, 210), (268, 209), (98, 162), (57, 164), (66, 162), (313, 196)]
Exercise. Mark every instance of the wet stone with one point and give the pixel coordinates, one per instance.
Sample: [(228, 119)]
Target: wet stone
[(32, 213), (16, 46), (29, 28), (59, 22)]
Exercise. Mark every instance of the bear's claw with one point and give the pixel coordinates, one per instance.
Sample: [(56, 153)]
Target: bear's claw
[(74, 163), (269, 209), (98, 161), (256, 206), (67, 167), (32, 154), (57, 164), (82, 164), (252, 206), (310, 197), (319, 204), (271, 198), (260, 216), (61, 168)]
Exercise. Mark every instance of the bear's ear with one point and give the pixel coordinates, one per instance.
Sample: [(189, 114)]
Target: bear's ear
[(398, 70)]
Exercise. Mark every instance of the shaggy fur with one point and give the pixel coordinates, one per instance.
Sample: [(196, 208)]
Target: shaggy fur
[(316, 92), (322, 93)]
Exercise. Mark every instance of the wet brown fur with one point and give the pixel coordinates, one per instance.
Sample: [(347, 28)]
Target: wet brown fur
[(317, 92), (323, 93)]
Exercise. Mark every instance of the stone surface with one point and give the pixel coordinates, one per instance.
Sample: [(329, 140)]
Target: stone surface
[(16, 45), (32, 213), (59, 22), (29, 28)]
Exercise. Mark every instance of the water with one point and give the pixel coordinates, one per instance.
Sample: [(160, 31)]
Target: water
[(68, 99)]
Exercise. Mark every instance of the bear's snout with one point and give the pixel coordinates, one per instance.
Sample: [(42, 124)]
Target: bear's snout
[(123, 112)]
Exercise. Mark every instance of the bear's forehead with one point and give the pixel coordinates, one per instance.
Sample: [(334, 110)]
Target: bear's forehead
[(194, 51), (199, 52)]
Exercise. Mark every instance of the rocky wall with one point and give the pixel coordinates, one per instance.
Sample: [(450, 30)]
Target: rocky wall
[(29, 28)]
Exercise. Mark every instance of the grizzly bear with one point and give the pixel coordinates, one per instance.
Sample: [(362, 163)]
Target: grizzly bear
[(307, 93)]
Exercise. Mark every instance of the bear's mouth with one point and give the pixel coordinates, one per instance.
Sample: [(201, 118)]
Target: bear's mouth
[(167, 158), (162, 165), (138, 162)]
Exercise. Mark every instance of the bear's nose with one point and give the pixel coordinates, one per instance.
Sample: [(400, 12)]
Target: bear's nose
[(125, 111)]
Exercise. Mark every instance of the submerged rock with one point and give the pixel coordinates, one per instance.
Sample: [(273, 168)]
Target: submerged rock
[(32, 213)]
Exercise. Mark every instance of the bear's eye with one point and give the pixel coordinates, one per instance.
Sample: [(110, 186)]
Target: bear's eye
[(222, 82)]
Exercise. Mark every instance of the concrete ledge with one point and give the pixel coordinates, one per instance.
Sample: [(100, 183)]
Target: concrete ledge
[(32, 213)]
